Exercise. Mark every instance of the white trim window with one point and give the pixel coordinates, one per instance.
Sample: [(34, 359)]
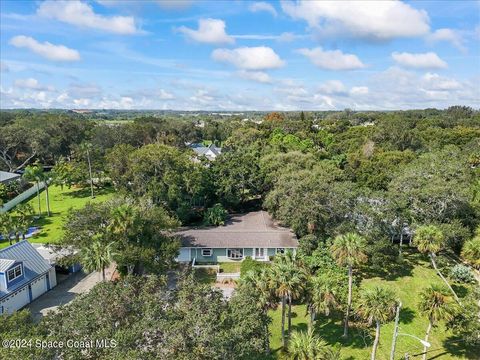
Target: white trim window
[(14, 273), (280, 251), (259, 253), (235, 254), (207, 252)]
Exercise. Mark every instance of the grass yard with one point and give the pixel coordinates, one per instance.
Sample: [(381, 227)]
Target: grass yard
[(408, 282), (60, 202), (230, 267)]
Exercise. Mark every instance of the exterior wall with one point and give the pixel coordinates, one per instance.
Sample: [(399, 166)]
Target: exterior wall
[(15, 301), (38, 287), (220, 255), (217, 254), (52, 277), (33, 290)]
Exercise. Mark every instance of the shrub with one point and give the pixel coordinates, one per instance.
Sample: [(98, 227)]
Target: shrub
[(215, 215), (462, 273), (248, 264)]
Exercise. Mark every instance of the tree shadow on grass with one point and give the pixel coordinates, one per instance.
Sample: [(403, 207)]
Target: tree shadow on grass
[(331, 331), (86, 192), (406, 315), (398, 269), (461, 290), (456, 346)]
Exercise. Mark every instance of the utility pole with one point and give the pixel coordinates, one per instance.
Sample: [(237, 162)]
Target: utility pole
[(395, 331)]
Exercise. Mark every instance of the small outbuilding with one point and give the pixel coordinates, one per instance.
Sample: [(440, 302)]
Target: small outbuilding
[(24, 276)]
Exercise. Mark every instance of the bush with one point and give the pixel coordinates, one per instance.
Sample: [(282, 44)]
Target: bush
[(215, 215), (462, 273), (248, 264)]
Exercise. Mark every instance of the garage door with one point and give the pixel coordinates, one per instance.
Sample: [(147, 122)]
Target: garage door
[(39, 287), (16, 301), (184, 255)]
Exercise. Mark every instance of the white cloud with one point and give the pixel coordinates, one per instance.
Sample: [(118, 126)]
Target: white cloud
[(258, 76), (428, 60), (432, 81), (448, 35), (249, 58), (4, 67), (81, 14), (333, 87), (379, 20), (33, 84), (359, 90), (262, 6), (210, 31), (332, 59), (165, 95), (46, 49)]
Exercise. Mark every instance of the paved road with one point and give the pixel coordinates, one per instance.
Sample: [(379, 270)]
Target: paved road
[(63, 293)]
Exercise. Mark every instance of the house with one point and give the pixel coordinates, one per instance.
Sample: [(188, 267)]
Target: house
[(24, 276), (253, 234), (6, 177), (210, 152)]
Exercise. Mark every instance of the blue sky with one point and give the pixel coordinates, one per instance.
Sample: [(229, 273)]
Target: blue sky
[(239, 55)]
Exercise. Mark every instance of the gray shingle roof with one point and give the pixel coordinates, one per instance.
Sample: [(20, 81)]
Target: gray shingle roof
[(254, 229), (33, 263)]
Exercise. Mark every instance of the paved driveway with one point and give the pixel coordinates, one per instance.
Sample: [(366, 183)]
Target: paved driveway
[(63, 293)]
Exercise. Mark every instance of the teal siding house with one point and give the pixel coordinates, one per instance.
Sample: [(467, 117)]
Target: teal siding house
[(253, 234)]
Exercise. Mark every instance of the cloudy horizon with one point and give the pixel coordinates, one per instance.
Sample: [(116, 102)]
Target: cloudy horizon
[(239, 55)]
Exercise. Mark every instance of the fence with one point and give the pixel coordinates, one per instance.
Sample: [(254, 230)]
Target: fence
[(21, 198)]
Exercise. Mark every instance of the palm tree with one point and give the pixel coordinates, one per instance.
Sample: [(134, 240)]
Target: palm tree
[(436, 304), (98, 256), (305, 346), (289, 282), (123, 218), (323, 296), (376, 305), (32, 173), (471, 250), (86, 148), (429, 239), (348, 250), (262, 282)]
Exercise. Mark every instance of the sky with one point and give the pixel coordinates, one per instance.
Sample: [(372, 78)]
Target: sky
[(239, 55)]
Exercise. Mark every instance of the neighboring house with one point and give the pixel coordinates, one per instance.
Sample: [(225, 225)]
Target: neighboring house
[(253, 234), (53, 257), (210, 152), (6, 177), (24, 276)]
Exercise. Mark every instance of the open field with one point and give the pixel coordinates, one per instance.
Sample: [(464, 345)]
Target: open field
[(60, 202), (408, 282)]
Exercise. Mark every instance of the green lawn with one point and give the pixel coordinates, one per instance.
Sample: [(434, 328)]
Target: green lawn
[(408, 282), (60, 202), (230, 267)]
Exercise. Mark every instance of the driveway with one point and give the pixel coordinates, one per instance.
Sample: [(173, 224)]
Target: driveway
[(67, 289)]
